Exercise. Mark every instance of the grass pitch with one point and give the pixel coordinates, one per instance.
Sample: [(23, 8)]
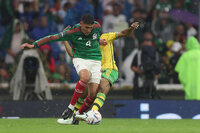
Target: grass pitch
[(49, 125)]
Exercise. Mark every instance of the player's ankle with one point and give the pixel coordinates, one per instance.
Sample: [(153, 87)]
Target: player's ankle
[(71, 107), (77, 112)]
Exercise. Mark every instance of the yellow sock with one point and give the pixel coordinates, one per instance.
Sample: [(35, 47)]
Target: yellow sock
[(99, 101), (78, 104)]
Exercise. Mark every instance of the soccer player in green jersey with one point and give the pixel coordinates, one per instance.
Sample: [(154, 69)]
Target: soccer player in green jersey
[(85, 38), (109, 74)]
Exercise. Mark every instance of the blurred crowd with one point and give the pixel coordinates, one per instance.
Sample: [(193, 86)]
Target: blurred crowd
[(161, 36)]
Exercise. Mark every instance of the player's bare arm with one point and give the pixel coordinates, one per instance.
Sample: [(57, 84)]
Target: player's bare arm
[(66, 43), (68, 48), (66, 28), (27, 45), (128, 31)]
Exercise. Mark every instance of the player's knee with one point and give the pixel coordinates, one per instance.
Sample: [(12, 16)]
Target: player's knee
[(85, 78)]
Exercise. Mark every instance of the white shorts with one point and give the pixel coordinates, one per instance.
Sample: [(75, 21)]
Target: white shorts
[(93, 66)]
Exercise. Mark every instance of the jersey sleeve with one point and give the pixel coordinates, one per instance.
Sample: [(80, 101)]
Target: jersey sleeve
[(110, 37), (63, 36)]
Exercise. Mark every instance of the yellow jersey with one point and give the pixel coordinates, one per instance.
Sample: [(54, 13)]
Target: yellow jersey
[(108, 60)]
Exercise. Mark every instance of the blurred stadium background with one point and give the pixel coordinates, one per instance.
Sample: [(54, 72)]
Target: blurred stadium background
[(167, 24)]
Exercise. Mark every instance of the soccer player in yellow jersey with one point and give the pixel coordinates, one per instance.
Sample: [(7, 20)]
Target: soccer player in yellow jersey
[(109, 70)]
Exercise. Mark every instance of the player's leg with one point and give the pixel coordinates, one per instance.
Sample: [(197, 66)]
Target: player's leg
[(72, 120), (84, 74), (93, 86), (109, 77), (104, 88), (78, 105), (81, 100), (92, 92)]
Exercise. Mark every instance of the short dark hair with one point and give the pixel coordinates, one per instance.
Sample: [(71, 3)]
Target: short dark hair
[(87, 19)]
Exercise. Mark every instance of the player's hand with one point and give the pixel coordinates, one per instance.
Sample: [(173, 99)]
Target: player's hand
[(102, 42), (27, 45), (135, 25), (67, 27)]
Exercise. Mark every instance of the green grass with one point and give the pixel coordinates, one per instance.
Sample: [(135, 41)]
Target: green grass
[(49, 125)]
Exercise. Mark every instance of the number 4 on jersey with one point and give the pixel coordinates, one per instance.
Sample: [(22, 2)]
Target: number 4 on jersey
[(88, 43)]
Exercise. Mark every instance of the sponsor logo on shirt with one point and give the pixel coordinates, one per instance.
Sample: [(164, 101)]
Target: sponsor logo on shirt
[(80, 38)]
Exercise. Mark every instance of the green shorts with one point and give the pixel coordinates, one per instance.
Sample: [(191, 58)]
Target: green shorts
[(110, 74)]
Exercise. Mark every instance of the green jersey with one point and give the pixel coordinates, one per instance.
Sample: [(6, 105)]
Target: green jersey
[(85, 47)]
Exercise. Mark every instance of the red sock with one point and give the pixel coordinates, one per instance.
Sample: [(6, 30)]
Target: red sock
[(80, 87), (86, 105)]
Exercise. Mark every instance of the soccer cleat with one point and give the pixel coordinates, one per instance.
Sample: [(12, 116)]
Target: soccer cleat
[(81, 117), (66, 121), (67, 113), (75, 121), (69, 121)]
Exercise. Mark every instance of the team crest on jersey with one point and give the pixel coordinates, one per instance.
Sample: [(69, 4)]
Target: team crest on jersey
[(94, 36)]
